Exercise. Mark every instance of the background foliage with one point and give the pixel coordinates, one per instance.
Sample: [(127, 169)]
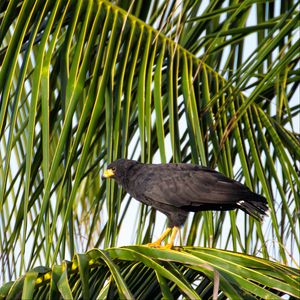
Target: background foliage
[(85, 82)]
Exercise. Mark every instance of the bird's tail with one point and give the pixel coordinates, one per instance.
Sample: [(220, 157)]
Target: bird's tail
[(256, 206)]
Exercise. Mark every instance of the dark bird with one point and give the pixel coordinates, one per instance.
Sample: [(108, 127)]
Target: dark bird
[(176, 189)]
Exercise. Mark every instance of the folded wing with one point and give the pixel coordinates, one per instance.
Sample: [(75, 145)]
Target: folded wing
[(194, 186)]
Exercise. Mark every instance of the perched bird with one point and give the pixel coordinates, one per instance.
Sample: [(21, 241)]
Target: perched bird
[(176, 189)]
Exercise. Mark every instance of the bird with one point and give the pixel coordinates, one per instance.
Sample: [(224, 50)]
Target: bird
[(175, 189)]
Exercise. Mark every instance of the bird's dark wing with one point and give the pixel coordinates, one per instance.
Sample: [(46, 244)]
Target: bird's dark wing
[(189, 185)]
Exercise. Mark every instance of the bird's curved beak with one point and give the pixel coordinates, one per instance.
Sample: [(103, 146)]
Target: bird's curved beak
[(108, 173)]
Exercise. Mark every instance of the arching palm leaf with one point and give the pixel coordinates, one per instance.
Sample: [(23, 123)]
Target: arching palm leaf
[(85, 82)]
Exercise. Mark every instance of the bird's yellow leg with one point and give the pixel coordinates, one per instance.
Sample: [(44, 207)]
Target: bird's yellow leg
[(157, 243), (175, 230)]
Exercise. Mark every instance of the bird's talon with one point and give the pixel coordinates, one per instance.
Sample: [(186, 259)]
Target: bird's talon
[(166, 247), (154, 245), (157, 245)]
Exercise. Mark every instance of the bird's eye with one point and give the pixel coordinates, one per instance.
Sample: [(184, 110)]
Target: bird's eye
[(113, 169)]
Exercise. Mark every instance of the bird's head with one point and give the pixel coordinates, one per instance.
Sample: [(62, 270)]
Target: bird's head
[(118, 169)]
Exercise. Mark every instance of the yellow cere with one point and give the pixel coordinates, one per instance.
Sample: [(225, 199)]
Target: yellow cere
[(108, 173)]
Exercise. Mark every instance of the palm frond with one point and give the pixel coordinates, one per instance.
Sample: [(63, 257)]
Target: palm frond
[(85, 82), (140, 272)]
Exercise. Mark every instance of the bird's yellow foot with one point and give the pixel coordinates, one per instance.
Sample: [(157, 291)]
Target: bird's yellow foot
[(155, 244), (159, 246), (166, 247)]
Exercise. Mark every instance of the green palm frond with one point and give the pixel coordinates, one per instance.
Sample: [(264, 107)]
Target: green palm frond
[(140, 272), (85, 82)]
